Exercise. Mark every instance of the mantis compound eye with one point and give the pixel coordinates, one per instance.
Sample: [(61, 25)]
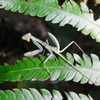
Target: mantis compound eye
[(27, 37)]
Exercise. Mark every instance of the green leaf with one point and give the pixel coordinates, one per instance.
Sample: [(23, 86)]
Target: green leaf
[(57, 95), (86, 70), (68, 13), (36, 94), (33, 94), (46, 94)]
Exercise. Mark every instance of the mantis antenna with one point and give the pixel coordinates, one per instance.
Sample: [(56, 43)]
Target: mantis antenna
[(50, 48)]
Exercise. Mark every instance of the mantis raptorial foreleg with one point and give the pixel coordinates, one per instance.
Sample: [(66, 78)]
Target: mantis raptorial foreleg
[(32, 53), (35, 52)]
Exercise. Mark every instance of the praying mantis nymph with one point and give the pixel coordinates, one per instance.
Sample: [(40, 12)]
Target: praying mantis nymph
[(50, 48)]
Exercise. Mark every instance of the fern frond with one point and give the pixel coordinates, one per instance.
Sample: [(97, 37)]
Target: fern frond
[(88, 69), (43, 94), (68, 13)]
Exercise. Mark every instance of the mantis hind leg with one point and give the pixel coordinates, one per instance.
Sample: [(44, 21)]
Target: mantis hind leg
[(73, 42)]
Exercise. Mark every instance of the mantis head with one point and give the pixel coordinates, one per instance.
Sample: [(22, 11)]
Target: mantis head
[(27, 37)]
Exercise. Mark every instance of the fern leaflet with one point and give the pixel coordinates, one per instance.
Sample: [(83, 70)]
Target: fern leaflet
[(68, 13), (59, 69), (33, 94)]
